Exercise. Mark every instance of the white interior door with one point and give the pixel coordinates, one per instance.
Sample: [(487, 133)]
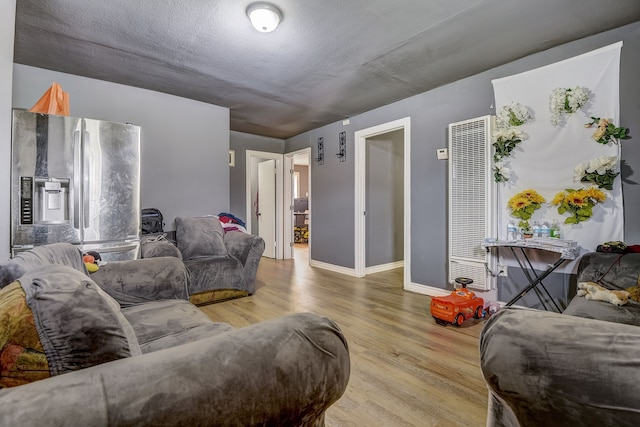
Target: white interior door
[(267, 206)]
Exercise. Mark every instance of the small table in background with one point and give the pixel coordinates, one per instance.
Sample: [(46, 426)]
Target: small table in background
[(567, 249)]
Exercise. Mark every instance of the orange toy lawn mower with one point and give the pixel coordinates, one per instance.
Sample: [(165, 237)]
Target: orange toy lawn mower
[(460, 305)]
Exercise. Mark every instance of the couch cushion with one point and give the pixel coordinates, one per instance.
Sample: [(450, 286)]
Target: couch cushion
[(56, 253), (22, 358), (159, 248), (168, 323), (208, 274), (200, 237), (613, 271), (142, 280), (79, 325), (628, 314)]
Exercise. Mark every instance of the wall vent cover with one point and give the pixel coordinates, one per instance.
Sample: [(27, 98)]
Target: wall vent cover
[(471, 198)]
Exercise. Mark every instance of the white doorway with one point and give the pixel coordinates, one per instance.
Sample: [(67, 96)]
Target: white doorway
[(297, 205), (265, 203), (360, 213)]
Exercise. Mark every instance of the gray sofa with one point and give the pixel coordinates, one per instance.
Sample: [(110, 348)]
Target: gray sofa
[(222, 265), (155, 358), (578, 368)]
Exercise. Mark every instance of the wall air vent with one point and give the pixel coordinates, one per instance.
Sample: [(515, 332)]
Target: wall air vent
[(471, 202)]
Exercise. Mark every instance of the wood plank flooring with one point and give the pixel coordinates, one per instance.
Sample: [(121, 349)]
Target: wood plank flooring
[(405, 369)]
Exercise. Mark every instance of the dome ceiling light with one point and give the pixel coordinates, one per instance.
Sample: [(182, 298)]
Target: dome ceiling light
[(264, 16)]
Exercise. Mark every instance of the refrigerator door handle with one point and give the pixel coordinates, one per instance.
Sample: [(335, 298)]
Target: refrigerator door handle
[(77, 185), (86, 170)]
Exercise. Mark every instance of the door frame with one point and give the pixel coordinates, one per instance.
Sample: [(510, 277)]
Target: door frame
[(288, 201), (360, 194), (249, 156)]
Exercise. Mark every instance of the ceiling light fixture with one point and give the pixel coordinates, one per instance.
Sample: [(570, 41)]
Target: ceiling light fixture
[(264, 16)]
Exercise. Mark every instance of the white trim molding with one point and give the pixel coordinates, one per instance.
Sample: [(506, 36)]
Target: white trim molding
[(360, 202), (331, 267), (383, 267)]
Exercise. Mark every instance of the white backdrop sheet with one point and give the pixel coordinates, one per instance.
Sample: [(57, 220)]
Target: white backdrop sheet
[(545, 161)]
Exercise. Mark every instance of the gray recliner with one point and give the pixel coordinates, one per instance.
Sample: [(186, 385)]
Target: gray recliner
[(222, 265)]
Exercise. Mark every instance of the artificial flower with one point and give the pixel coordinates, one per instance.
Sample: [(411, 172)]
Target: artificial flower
[(599, 171), (501, 173), (504, 141), (525, 203), (607, 131), (513, 115), (567, 101), (602, 164), (578, 203)]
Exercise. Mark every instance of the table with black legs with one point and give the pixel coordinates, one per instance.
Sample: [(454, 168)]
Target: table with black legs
[(567, 250)]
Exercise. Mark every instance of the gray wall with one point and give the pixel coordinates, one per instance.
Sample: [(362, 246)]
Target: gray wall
[(384, 189), (241, 142), (7, 23), (431, 112), (184, 143), (332, 194)]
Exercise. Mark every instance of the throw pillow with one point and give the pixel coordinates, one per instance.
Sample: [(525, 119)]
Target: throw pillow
[(200, 237), (22, 358), (79, 325)]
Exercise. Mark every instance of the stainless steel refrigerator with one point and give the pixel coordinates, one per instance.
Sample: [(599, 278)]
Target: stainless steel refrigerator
[(75, 180)]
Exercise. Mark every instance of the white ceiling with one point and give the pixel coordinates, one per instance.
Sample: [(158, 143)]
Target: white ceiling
[(327, 61)]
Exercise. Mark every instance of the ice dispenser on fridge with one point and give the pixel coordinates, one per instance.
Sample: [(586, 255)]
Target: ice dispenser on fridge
[(50, 200)]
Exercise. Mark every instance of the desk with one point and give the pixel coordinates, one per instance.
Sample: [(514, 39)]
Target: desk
[(301, 218), (567, 250)]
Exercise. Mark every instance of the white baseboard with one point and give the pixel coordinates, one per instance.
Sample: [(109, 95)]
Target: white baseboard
[(426, 290), (334, 268), (383, 267), (412, 287)]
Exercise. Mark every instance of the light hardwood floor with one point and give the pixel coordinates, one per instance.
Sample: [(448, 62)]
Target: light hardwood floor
[(405, 369)]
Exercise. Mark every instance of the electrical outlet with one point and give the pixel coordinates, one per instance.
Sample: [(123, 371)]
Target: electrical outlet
[(502, 271), (442, 153)]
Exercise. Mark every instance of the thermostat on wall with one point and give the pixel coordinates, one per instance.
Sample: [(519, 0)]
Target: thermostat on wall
[(443, 153)]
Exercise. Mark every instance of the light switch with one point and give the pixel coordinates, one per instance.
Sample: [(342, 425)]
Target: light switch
[(443, 153)]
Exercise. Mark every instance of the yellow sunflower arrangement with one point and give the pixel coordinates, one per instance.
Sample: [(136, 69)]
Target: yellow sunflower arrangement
[(578, 203), (524, 204)]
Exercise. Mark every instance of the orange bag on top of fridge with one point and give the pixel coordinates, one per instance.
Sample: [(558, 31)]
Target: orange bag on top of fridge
[(54, 101)]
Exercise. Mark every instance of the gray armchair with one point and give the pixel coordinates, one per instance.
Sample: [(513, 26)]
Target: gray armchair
[(221, 265)]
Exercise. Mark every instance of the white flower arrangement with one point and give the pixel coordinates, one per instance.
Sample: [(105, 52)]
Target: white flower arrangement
[(504, 142), (507, 134), (602, 163), (513, 115), (567, 101), (599, 171), (501, 173)]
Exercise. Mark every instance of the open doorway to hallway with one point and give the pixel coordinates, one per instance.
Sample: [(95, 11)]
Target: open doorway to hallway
[(298, 196), (382, 228)]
